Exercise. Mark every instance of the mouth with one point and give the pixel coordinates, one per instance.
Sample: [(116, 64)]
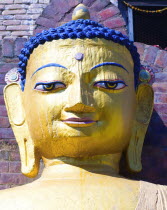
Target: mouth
[(79, 122)]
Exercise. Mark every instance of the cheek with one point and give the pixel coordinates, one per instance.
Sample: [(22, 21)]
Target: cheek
[(116, 109), (118, 99), (41, 111)]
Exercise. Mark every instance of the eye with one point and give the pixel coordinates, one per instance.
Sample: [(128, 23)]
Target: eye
[(41, 86), (111, 85)]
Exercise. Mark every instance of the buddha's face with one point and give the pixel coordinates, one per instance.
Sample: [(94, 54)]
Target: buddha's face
[(80, 104)]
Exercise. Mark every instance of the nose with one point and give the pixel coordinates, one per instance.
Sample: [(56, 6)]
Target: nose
[(80, 99), (80, 108)]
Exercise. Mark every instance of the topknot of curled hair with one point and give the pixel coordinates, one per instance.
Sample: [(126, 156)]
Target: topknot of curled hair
[(77, 29)]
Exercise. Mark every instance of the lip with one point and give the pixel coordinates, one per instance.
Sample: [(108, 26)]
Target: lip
[(79, 122)]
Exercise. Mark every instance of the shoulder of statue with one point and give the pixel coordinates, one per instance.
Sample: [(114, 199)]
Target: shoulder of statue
[(8, 198), (15, 198), (152, 196)]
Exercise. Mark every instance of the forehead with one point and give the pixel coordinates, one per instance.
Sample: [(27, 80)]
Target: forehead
[(94, 51)]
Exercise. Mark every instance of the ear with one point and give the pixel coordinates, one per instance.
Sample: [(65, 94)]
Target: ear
[(145, 99), (29, 158)]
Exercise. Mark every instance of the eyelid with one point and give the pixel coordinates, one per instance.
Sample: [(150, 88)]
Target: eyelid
[(47, 83), (109, 80), (112, 81)]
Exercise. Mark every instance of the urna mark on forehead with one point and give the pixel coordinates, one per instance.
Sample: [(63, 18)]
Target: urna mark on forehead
[(94, 67), (92, 53), (75, 30)]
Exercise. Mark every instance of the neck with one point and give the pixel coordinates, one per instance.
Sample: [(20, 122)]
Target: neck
[(72, 168)]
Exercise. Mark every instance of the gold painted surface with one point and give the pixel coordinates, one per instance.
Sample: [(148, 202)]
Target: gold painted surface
[(80, 12), (81, 159), (51, 108)]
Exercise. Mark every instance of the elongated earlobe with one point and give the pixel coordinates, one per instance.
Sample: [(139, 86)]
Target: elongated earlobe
[(145, 98), (29, 157)]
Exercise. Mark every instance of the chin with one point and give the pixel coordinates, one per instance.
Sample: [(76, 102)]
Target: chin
[(66, 131)]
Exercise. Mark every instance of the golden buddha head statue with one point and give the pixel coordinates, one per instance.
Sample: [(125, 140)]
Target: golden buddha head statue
[(79, 96)]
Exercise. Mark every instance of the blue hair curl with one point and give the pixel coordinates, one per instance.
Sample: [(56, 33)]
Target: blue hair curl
[(77, 29)]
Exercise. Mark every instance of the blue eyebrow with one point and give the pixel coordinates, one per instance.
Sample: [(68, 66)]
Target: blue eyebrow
[(109, 63), (48, 65)]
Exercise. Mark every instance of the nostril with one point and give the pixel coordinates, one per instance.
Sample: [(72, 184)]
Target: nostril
[(80, 108)]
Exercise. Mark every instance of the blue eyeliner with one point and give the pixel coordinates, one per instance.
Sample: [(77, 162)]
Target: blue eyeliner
[(47, 83), (103, 84), (112, 81)]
